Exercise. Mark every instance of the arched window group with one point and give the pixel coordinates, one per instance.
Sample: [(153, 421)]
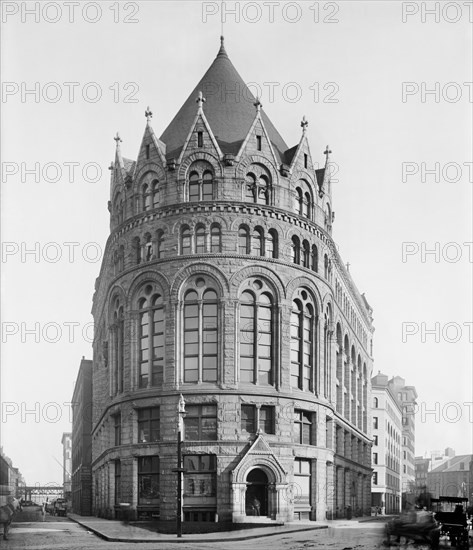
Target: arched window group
[(201, 240), (257, 189), (304, 254), (257, 242), (201, 186), (257, 335), (118, 336), (200, 332), (303, 341), (150, 193), (303, 200), (151, 337), (150, 248), (118, 209)]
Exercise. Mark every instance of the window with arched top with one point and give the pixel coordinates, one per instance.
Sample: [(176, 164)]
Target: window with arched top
[(146, 194), (118, 336), (307, 205), (243, 240), (250, 188), (156, 193), (148, 248), (256, 335), (327, 352), (303, 341), (200, 332), (200, 247), (262, 194), (303, 201), (121, 258), (159, 243), (200, 182), (306, 254), (257, 242), (194, 185), (272, 244), (257, 184), (215, 238), (151, 337), (136, 248), (296, 250), (326, 266), (186, 240), (315, 258), (207, 186), (298, 201), (375, 403)]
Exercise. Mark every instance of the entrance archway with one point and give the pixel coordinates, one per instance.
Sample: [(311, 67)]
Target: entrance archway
[(256, 499)]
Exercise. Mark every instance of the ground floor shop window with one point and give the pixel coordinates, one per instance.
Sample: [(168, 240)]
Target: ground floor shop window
[(200, 487), (148, 480), (302, 478)]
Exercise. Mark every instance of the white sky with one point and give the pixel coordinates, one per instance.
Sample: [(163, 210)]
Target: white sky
[(367, 54)]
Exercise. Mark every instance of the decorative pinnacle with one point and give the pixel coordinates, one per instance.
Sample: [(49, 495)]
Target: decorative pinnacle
[(118, 139), (258, 105), (112, 166), (327, 151), (148, 114), (200, 100), (304, 124), (348, 267)]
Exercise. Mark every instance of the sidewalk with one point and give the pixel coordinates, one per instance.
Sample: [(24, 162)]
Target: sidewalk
[(115, 531)]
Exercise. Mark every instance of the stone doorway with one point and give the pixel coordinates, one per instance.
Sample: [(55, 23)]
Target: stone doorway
[(256, 498)]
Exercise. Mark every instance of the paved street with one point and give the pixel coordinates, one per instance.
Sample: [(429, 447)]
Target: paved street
[(53, 533)]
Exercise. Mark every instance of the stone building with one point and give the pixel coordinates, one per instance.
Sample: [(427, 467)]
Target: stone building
[(451, 478), (221, 282), (81, 440), (387, 444), (66, 442)]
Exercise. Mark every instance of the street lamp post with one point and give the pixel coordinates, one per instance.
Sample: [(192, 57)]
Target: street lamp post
[(179, 470)]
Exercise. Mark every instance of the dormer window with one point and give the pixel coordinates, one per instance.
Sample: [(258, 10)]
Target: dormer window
[(200, 139), (258, 143), (305, 160), (147, 152)]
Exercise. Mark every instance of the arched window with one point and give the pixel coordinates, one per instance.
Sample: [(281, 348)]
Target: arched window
[(306, 254), (159, 243), (296, 250), (257, 242), (121, 258), (303, 341), (327, 352), (146, 197), (207, 186), (256, 336), (200, 240), (156, 193), (250, 188), (307, 206), (215, 238), (299, 203), (315, 259), (200, 333), (118, 345), (375, 403), (262, 195), (151, 338), (326, 266), (194, 187), (243, 240), (136, 250), (186, 241), (148, 248), (271, 244)]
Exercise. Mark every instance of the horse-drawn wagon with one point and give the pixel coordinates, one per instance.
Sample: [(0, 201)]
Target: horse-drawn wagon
[(450, 513)]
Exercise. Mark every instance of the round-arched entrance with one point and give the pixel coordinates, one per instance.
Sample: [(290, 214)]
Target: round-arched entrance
[(256, 500)]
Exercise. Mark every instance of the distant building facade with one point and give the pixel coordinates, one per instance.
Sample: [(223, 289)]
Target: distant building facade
[(82, 441), (11, 480), (422, 467), (387, 444), (66, 441), (451, 478)]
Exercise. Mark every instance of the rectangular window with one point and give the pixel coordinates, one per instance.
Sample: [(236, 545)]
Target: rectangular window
[(147, 152), (200, 477), (148, 480), (375, 478), (200, 139), (375, 440), (248, 418), (200, 423), (266, 419), (303, 427), (375, 422), (254, 418), (375, 458), (117, 429), (118, 482), (305, 160), (302, 473), (258, 143), (148, 425)]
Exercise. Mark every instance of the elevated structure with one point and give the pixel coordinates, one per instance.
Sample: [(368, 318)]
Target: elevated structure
[(221, 282)]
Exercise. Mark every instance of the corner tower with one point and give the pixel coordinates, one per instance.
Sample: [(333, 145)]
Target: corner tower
[(221, 283)]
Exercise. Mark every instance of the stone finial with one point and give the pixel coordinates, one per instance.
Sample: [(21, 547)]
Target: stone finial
[(348, 267), (112, 166), (148, 114), (327, 151), (304, 124), (258, 105), (200, 100), (118, 139)]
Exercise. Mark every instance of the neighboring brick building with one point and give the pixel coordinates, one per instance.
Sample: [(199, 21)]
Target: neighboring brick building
[(66, 441), (387, 443), (422, 467), (221, 282), (81, 441)]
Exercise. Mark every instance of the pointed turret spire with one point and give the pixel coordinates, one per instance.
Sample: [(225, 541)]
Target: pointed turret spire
[(222, 52), (148, 115), (327, 152), (326, 180), (117, 139), (304, 124)]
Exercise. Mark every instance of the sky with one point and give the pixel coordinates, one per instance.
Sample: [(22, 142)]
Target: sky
[(386, 84)]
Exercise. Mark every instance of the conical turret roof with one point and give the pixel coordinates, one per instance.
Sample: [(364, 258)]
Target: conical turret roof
[(229, 109)]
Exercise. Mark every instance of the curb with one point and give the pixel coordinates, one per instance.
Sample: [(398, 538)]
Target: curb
[(184, 539)]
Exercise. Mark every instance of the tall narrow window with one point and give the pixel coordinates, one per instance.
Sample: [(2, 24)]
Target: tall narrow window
[(256, 336), (315, 259), (200, 240), (250, 188), (207, 186), (156, 190), (243, 240), (194, 187), (118, 318), (146, 197), (302, 475), (118, 481), (148, 480), (305, 160), (186, 242), (262, 196), (117, 429), (159, 243), (272, 244), (307, 205), (296, 250), (306, 254), (215, 238), (303, 427), (326, 266), (151, 357), (299, 204), (200, 334), (148, 248), (147, 152), (303, 349), (258, 143), (200, 139), (257, 242), (148, 425)]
